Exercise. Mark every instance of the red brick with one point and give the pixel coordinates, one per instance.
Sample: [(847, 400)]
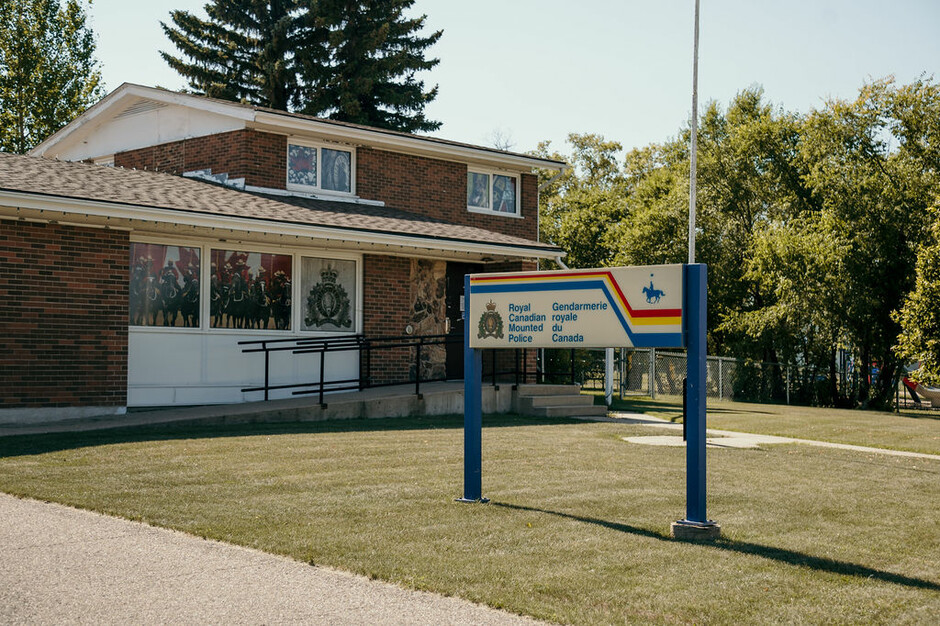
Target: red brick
[(63, 332)]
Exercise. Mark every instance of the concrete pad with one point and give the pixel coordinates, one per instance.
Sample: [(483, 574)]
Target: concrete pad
[(693, 531)]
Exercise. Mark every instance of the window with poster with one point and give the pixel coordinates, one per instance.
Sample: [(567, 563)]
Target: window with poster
[(329, 293), (164, 285), (489, 192), (312, 167), (250, 290)]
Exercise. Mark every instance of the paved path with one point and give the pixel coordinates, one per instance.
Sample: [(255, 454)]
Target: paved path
[(733, 439), (67, 566)]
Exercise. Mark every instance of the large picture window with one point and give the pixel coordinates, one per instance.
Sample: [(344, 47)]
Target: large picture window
[(312, 168), (164, 285), (250, 290), (492, 192), (328, 288)]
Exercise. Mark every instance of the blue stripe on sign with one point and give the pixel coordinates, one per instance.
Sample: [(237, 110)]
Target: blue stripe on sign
[(639, 339)]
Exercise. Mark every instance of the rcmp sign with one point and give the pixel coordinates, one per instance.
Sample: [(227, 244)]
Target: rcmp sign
[(585, 308)]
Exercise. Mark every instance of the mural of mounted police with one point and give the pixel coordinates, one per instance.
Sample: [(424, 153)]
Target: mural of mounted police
[(156, 296), (247, 290)]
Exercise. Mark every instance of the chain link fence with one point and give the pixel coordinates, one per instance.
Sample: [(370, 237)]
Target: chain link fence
[(657, 373)]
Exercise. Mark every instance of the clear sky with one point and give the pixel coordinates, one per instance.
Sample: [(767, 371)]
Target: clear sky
[(534, 70)]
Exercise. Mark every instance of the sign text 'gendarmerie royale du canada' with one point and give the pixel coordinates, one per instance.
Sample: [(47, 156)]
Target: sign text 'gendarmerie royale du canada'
[(584, 308)]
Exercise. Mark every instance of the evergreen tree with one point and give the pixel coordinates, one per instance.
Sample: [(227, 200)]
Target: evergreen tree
[(243, 52), (374, 53), (48, 72), (350, 61)]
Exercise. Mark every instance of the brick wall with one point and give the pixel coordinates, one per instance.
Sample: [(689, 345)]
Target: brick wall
[(386, 303), (437, 189), (63, 323), (261, 158), (421, 185)]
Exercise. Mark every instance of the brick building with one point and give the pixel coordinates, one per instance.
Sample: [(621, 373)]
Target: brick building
[(143, 241)]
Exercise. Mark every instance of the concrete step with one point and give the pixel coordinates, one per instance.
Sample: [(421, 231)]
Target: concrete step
[(568, 411), (548, 390), (530, 402)]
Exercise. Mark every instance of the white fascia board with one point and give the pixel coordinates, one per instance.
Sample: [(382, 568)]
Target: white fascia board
[(130, 90), (231, 223), (285, 123), (235, 110), (412, 145)]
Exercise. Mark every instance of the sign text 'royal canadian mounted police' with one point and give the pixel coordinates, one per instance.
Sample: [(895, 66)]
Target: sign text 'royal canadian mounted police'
[(585, 308)]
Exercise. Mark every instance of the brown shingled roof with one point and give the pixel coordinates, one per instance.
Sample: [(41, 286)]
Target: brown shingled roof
[(61, 179)]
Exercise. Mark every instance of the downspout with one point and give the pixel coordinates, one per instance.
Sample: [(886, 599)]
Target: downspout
[(561, 263)]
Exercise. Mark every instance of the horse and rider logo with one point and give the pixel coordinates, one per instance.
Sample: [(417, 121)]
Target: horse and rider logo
[(652, 293), (491, 323)]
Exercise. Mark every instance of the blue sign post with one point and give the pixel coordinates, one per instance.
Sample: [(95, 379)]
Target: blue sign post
[(696, 524), (472, 411)]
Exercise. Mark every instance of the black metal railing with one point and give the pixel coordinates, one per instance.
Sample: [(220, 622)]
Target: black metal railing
[(518, 373), (365, 346)]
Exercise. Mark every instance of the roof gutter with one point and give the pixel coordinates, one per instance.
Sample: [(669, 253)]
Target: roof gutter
[(557, 175)]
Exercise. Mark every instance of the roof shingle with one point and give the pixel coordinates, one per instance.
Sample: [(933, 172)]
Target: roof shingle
[(61, 179)]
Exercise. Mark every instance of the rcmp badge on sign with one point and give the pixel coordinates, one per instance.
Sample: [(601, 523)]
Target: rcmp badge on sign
[(328, 302), (491, 323)]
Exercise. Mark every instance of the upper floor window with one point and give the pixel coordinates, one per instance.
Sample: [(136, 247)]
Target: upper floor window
[(498, 193), (319, 168)]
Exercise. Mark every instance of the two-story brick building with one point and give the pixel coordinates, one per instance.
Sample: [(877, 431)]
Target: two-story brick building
[(219, 222)]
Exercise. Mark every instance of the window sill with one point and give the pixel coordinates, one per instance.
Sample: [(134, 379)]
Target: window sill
[(321, 193), (471, 209)]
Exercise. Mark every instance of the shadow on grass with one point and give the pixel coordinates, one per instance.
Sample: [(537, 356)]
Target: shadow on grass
[(782, 555), (920, 415), (23, 445)]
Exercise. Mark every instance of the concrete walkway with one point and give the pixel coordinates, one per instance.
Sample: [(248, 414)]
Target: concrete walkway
[(398, 400), (733, 439), (67, 566)]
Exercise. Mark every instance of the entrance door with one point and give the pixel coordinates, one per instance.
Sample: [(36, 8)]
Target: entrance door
[(454, 300)]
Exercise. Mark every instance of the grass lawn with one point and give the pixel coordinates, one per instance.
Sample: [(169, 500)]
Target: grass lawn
[(913, 431), (577, 530)]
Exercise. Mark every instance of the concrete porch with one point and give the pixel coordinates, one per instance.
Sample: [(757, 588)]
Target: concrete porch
[(439, 398)]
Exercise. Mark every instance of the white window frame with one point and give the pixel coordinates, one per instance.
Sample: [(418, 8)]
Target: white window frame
[(491, 175), (319, 147)]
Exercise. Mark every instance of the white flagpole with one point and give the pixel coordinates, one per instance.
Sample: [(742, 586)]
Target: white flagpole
[(694, 147)]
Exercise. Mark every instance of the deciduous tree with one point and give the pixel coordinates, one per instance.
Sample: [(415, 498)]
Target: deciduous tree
[(579, 210), (919, 318), (48, 70)]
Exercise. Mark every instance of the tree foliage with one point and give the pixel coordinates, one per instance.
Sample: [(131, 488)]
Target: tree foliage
[(350, 61), (48, 71), (919, 317), (580, 207), (812, 226)]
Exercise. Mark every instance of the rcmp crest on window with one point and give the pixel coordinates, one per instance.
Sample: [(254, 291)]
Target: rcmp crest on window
[(491, 323), (328, 302)]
